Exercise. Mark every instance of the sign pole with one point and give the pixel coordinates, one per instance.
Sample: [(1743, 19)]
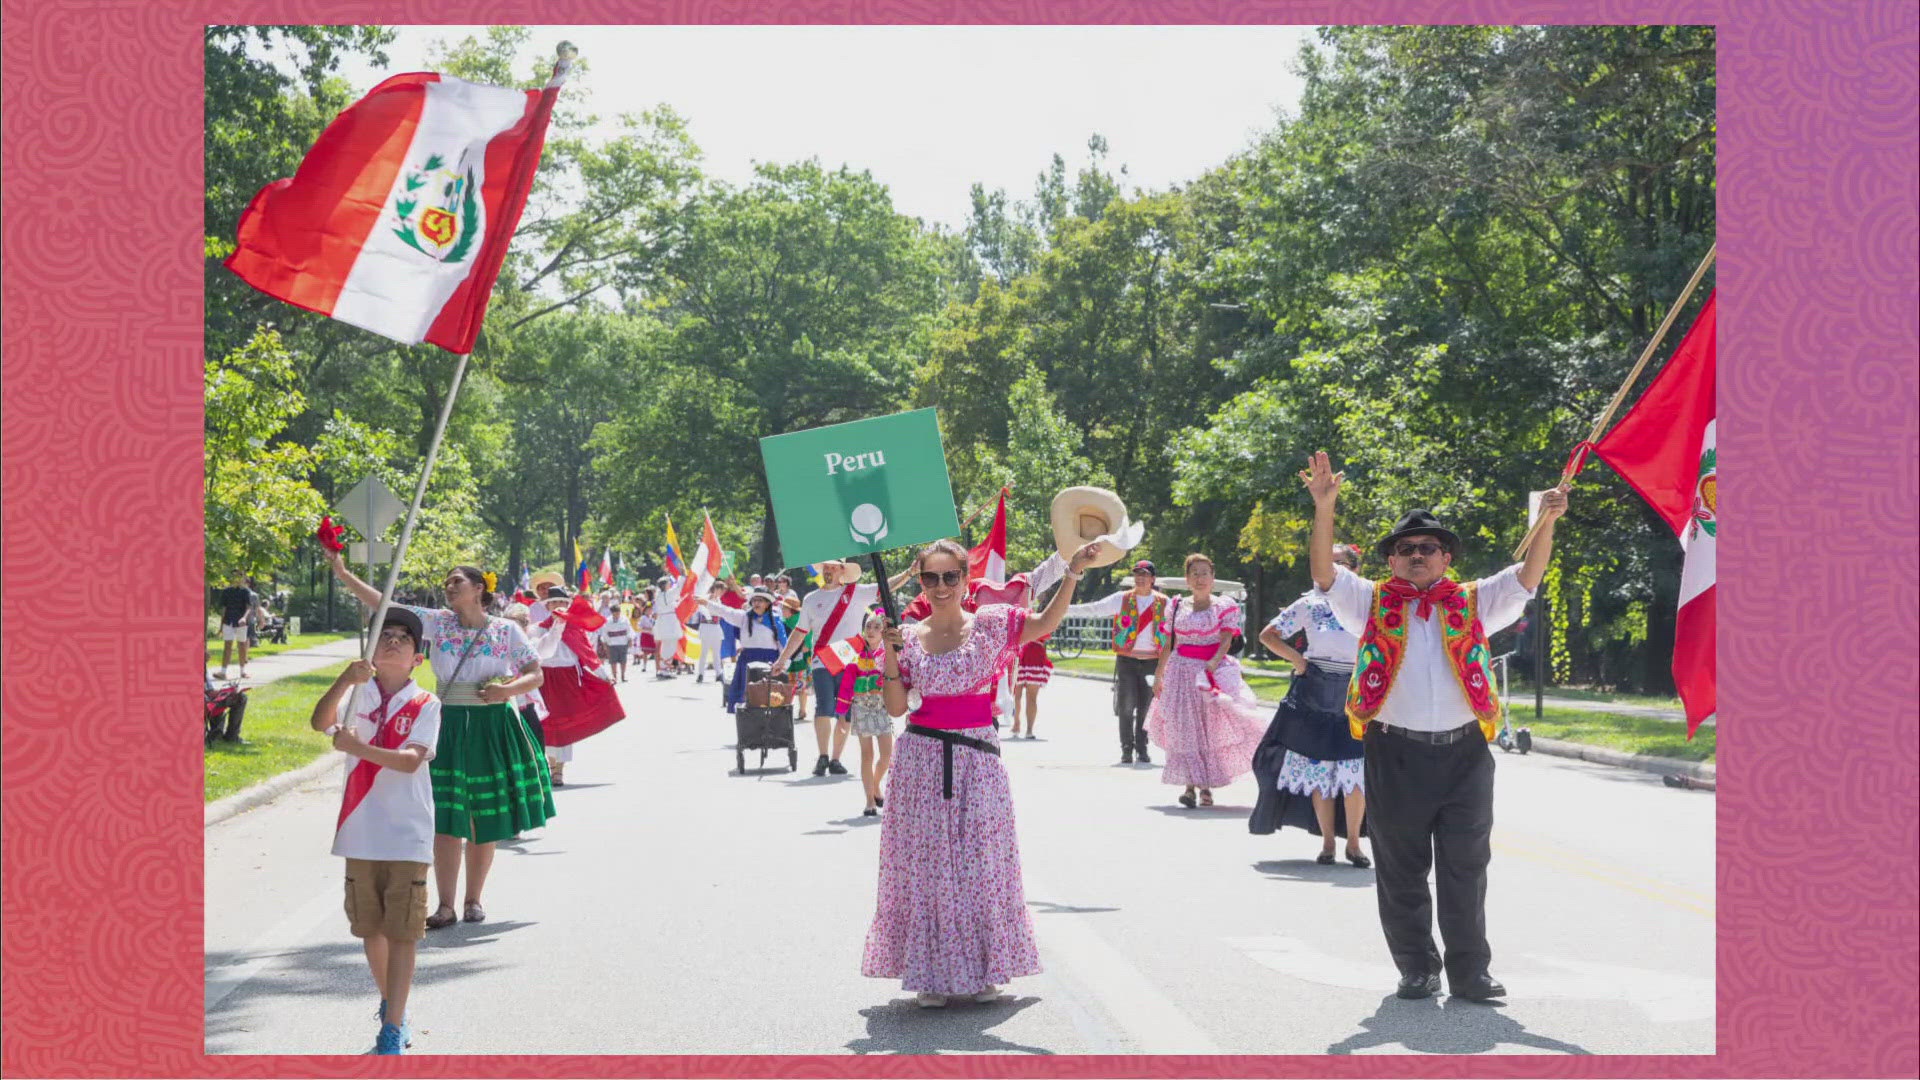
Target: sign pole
[(886, 591)]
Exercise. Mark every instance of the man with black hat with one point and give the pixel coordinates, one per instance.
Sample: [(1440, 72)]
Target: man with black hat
[(1140, 621), (1422, 700)]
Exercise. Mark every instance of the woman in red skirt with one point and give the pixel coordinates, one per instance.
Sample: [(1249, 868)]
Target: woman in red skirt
[(1032, 674)]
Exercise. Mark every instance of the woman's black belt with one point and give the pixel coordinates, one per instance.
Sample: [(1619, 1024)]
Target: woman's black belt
[(952, 739)]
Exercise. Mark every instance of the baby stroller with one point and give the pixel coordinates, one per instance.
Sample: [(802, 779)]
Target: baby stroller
[(765, 721)]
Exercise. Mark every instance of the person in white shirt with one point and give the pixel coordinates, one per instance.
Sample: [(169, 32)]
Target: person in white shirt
[(388, 728), (1422, 700), (762, 633), (710, 627), (1308, 764), (834, 612), (1140, 632), (616, 636), (666, 627)]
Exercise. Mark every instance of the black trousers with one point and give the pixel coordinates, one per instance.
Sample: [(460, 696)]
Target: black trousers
[(230, 719), (1131, 699), (1431, 808)]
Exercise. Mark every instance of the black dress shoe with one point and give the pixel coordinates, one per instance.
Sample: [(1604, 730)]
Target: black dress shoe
[(1126, 757), (1142, 758), (837, 769), (1415, 986), (820, 767), (1482, 987)]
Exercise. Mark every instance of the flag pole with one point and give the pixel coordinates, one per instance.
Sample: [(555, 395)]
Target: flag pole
[(419, 492), (983, 506), (1620, 395)]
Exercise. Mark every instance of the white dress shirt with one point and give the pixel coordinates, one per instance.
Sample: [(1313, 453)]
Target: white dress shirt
[(1426, 696)]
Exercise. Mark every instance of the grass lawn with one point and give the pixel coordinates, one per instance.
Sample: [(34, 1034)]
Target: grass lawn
[(1522, 690), (1632, 734), (278, 737), (267, 648)]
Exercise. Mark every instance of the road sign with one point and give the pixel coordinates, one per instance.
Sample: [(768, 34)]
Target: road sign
[(371, 506), (860, 487), (382, 551)]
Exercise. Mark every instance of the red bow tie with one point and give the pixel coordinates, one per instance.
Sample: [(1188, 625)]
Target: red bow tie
[(1402, 591)]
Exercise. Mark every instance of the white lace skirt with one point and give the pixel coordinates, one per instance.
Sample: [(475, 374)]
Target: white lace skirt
[(1305, 776)]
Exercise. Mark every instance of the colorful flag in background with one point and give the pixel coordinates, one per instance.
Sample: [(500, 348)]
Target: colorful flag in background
[(675, 567), (707, 560), (989, 560), (1665, 448), (399, 217)]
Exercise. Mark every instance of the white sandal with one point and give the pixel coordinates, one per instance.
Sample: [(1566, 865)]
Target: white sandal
[(930, 1001)]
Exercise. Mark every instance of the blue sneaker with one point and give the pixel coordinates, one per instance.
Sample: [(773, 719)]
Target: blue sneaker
[(391, 1041), (406, 1024)]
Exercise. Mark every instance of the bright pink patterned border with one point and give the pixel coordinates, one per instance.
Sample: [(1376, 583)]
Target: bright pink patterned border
[(101, 485)]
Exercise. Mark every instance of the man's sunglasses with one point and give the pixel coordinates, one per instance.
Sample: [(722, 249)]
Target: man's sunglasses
[(950, 578), (1404, 550)]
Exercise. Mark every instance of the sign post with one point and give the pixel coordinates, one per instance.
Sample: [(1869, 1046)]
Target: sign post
[(860, 488), (370, 508)]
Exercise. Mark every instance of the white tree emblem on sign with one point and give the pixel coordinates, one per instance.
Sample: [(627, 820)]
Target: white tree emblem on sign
[(868, 524)]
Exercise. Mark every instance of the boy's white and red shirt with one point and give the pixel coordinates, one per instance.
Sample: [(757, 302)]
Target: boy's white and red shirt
[(393, 822)]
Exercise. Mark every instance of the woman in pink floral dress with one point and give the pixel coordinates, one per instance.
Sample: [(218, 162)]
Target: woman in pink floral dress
[(951, 917), (1203, 716)]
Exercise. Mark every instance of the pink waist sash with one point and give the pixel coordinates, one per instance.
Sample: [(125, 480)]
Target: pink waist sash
[(952, 711), (1197, 652)]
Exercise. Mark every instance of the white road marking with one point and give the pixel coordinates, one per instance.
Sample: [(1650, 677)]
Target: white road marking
[(1663, 997)]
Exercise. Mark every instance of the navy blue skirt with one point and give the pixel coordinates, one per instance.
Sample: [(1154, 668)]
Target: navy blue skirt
[(1312, 721)]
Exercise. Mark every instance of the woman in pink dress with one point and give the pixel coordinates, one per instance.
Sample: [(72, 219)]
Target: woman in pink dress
[(951, 917), (1203, 716)]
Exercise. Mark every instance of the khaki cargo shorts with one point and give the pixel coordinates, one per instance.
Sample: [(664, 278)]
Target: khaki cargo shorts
[(387, 899)]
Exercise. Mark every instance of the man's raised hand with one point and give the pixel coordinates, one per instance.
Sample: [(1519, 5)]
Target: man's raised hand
[(1322, 482)]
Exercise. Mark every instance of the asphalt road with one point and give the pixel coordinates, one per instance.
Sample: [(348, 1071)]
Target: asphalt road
[(674, 907)]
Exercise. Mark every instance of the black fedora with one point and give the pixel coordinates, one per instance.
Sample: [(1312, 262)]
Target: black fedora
[(1418, 523)]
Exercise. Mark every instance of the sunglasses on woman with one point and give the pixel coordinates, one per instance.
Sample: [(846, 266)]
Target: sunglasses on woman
[(949, 578)]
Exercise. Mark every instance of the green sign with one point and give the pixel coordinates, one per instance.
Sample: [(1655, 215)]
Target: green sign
[(851, 489)]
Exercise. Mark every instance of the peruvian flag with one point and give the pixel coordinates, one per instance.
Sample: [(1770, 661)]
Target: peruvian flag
[(1666, 449), (708, 561), (989, 560), (398, 219), (606, 567)]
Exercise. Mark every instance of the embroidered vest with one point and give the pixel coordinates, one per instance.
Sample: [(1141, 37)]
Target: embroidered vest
[(1384, 645), (1132, 622)]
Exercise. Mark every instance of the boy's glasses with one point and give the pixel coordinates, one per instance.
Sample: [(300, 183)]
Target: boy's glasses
[(950, 578), (1404, 550)]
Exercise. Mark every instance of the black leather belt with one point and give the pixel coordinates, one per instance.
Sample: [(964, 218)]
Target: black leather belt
[(952, 739), (1431, 738)]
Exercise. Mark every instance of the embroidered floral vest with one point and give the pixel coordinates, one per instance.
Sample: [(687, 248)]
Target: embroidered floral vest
[(1384, 645), (1132, 622)]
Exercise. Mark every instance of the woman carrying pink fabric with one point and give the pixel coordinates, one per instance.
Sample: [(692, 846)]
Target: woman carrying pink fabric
[(1203, 716), (951, 917)]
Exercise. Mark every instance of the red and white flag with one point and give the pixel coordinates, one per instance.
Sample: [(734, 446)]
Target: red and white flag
[(1666, 449), (989, 560), (703, 571), (398, 219), (606, 567)]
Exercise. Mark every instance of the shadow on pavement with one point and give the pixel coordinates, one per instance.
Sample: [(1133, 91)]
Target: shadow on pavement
[(463, 934), (1044, 907), (1341, 874), (318, 972), (1218, 811), (902, 1027), (1449, 1026)]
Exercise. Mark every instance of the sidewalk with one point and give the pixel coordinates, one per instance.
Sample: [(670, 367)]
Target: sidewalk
[(265, 669)]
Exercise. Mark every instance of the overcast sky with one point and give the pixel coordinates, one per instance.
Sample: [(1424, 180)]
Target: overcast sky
[(931, 109)]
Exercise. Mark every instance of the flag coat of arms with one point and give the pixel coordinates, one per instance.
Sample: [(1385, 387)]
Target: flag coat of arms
[(1666, 449), (399, 218)]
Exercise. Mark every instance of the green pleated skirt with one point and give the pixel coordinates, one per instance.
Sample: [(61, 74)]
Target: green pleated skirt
[(490, 778)]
